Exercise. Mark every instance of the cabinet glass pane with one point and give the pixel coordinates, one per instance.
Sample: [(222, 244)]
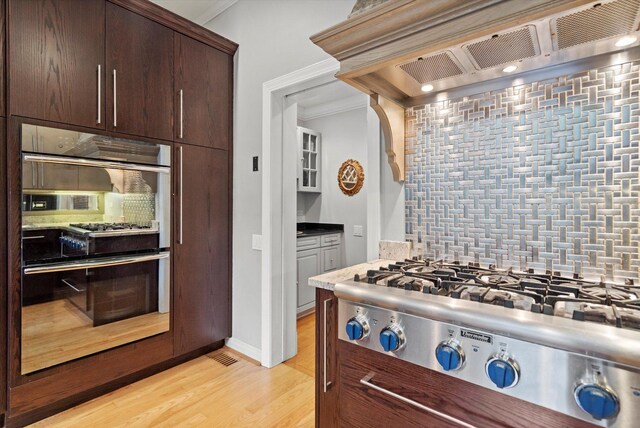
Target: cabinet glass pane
[(305, 141), (313, 179), (312, 146), (313, 161), (305, 178), (305, 162)]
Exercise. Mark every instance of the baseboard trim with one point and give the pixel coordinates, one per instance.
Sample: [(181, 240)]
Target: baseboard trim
[(244, 348)]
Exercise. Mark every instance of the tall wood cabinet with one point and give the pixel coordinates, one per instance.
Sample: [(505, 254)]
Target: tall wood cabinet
[(129, 69), (201, 249)]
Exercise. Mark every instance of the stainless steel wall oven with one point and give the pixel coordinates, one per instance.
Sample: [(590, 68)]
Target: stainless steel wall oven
[(95, 265)]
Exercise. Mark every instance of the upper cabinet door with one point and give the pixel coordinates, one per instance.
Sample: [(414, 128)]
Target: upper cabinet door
[(203, 94), (140, 75), (57, 52)]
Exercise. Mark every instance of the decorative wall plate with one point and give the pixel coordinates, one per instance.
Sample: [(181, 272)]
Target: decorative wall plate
[(350, 177)]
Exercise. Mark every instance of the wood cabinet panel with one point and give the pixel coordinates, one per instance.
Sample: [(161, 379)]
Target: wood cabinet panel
[(3, 50), (473, 404), (203, 93), (3, 272), (141, 53), (327, 375), (55, 50), (202, 306)]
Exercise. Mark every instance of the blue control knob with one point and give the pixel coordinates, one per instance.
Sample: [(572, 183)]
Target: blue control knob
[(503, 372), (356, 328), (391, 339), (597, 400), (450, 355)]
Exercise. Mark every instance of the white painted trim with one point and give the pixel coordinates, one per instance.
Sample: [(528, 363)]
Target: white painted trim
[(214, 10), (343, 105), (272, 280), (244, 348)]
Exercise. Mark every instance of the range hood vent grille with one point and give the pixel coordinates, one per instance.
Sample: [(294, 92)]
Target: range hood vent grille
[(501, 49), (431, 68), (600, 21)]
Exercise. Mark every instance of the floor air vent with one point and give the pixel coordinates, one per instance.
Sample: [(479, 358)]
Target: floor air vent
[(503, 48), (600, 21), (431, 68), (223, 359)]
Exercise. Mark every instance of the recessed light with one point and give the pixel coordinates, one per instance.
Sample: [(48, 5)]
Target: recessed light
[(510, 68), (626, 41), (427, 88)]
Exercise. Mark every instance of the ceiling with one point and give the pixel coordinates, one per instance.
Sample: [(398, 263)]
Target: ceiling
[(198, 11)]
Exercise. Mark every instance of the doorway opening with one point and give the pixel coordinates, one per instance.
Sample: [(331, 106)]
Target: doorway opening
[(300, 189)]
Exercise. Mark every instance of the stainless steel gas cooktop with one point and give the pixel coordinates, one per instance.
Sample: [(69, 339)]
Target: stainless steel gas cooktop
[(567, 344)]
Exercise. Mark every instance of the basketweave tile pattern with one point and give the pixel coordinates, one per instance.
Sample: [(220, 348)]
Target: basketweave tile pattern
[(543, 175)]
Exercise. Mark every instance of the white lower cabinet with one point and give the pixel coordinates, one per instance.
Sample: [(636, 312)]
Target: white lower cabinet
[(325, 257)]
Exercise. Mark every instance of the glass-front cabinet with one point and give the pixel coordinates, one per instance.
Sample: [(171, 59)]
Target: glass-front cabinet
[(95, 264), (309, 144)]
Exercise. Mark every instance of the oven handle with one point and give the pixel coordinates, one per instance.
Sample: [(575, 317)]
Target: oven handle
[(366, 381), (93, 264), (66, 160)]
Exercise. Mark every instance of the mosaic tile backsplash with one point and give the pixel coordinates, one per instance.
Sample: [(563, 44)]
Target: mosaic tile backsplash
[(545, 175)]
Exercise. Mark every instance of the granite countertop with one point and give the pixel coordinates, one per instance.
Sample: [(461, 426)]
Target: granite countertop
[(315, 229), (330, 279), (388, 251)]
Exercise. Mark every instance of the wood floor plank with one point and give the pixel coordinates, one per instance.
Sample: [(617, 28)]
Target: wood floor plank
[(204, 393)]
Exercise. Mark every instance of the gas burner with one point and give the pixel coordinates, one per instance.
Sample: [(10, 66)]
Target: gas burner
[(607, 295), (499, 279), (105, 227)]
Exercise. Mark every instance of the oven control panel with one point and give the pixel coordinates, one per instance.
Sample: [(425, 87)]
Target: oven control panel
[(597, 391)]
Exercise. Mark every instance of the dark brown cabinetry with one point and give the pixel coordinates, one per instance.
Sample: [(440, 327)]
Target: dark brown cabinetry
[(202, 93), (56, 67), (140, 75), (202, 307), (61, 60), (326, 359), (3, 272)]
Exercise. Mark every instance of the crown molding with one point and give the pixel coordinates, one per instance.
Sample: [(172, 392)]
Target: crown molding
[(214, 10), (334, 107)]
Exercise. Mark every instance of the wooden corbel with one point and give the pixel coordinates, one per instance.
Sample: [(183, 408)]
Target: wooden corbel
[(392, 121)]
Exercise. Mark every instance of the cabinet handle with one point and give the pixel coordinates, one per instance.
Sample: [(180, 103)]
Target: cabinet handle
[(366, 381), (42, 168), (26, 238), (99, 94), (180, 241), (181, 113), (34, 171), (115, 99), (325, 384)]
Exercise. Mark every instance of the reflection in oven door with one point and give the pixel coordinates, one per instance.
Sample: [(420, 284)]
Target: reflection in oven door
[(104, 294)]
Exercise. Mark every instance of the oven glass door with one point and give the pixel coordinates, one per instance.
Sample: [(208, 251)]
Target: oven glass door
[(71, 310)]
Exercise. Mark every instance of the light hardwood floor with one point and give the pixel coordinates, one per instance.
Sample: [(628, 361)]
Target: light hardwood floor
[(204, 393), (56, 331)]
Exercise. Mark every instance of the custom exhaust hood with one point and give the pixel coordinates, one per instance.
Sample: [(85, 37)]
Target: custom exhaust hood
[(410, 52)]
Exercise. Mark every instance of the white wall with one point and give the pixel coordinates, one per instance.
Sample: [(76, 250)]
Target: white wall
[(344, 136), (274, 40)]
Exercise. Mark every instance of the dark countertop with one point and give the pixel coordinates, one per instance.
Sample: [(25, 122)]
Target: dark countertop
[(316, 229)]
